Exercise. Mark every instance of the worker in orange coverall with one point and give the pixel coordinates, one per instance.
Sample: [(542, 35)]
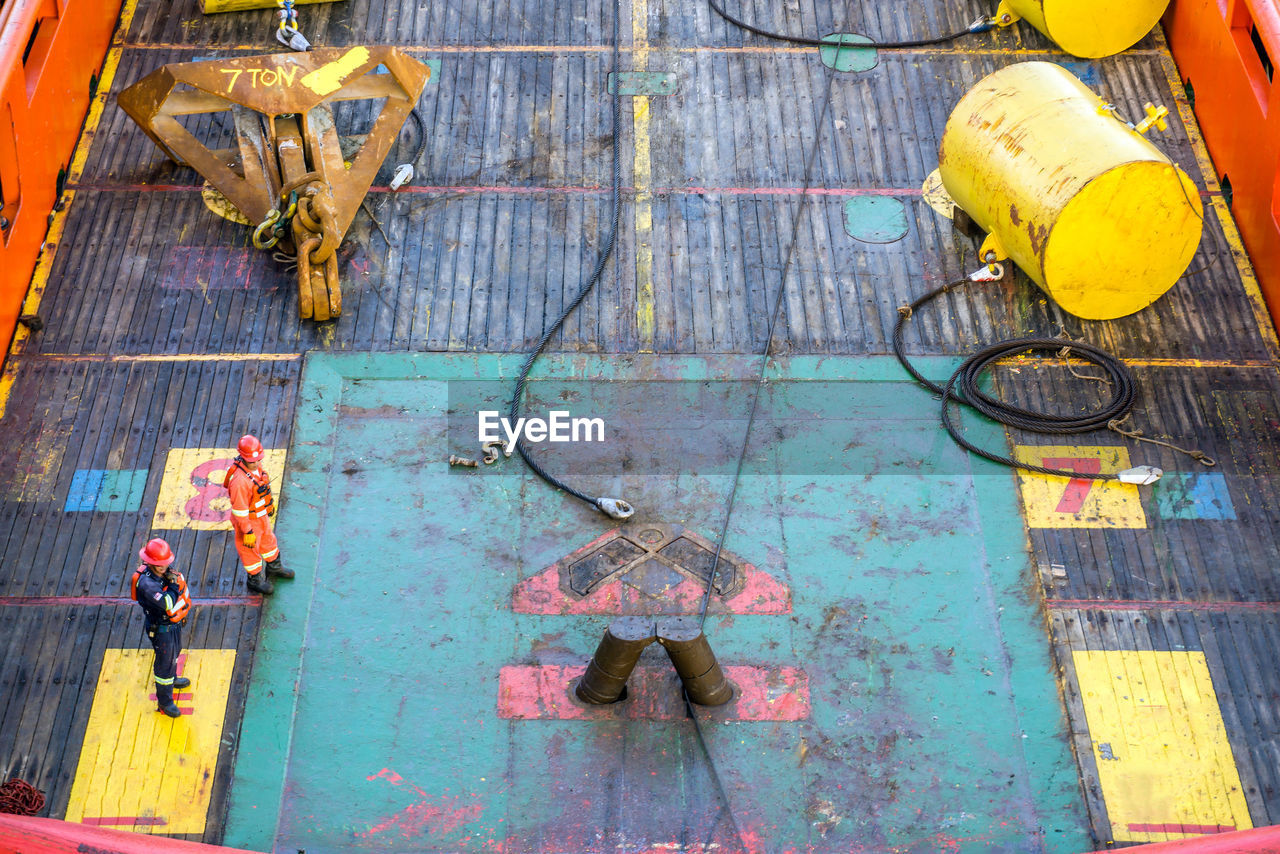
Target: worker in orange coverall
[(252, 507)]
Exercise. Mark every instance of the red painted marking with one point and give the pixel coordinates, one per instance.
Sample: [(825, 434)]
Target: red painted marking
[(544, 692), (126, 821), (254, 599), (199, 507), (468, 189), (181, 695), (1159, 605), (542, 594), (427, 816), (1181, 828), (548, 593), (1077, 488), (210, 268), (141, 188), (792, 191)]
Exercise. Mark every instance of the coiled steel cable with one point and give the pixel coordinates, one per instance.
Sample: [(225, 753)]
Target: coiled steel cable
[(612, 507), (963, 388)]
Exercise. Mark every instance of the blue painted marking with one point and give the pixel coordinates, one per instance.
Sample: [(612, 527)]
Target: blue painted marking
[(875, 219), (1086, 71), (1193, 495), (122, 491), (111, 490), (843, 58), (86, 484)]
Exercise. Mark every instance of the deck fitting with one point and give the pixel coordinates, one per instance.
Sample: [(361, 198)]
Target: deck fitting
[(605, 679)]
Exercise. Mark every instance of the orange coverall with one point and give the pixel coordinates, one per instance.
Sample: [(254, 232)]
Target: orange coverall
[(251, 507)]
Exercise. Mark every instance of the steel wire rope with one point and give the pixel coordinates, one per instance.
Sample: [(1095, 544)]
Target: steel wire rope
[(765, 358), (981, 25), (806, 184), (963, 388), (621, 509)]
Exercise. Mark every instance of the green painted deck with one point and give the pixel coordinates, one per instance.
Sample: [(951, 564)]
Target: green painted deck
[(927, 701), (930, 653)]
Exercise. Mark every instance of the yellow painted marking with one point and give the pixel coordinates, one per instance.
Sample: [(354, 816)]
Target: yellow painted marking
[(211, 6), (1059, 502), (138, 764), (1038, 361), (328, 78), (219, 204), (1257, 303), (57, 225), (34, 476), (937, 196), (579, 49), (643, 178), (1159, 743), (163, 357), (191, 494)]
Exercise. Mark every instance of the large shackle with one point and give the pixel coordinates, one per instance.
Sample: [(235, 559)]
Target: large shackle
[(1095, 214), (1087, 28)]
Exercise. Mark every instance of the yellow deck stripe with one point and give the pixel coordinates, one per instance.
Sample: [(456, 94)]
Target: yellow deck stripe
[(643, 178), (1144, 363), (57, 224), (1164, 762), (569, 49), (140, 770), (159, 357), (1229, 231)]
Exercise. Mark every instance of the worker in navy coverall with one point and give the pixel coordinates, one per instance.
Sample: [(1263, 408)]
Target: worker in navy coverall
[(162, 593)]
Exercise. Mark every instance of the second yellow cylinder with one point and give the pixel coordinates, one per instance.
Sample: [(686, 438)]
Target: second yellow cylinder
[(1090, 28)]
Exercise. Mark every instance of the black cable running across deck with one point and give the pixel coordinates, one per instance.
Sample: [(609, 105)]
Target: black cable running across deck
[(610, 239), (963, 388), (981, 25)]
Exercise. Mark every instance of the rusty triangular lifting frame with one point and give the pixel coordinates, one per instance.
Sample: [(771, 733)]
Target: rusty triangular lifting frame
[(288, 168)]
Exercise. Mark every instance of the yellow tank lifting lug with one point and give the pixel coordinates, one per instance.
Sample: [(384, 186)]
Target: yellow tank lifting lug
[(1005, 15), (991, 251), (287, 168), (1155, 118)]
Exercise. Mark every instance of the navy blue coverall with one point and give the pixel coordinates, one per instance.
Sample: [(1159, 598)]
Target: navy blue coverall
[(165, 607)]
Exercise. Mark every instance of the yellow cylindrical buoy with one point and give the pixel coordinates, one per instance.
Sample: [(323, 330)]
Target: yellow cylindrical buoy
[(1095, 214), (1087, 28)]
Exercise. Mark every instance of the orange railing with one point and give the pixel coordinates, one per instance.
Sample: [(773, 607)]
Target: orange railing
[(50, 52), (1228, 52)]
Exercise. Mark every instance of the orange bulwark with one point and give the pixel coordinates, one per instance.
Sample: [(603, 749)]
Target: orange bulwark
[(44, 95), (1226, 52)]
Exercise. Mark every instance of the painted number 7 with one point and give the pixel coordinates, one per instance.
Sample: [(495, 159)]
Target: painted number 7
[(1078, 487)]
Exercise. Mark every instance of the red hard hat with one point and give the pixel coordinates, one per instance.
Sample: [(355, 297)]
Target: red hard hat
[(250, 449), (156, 553)]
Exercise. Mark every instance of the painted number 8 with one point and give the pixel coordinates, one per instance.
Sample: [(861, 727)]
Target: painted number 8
[(210, 503)]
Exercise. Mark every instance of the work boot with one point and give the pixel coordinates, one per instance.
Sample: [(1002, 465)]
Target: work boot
[(274, 567), (181, 682), (164, 701), (261, 584)]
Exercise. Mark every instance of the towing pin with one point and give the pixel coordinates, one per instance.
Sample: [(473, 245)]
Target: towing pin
[(689, 651), (606, 677)]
